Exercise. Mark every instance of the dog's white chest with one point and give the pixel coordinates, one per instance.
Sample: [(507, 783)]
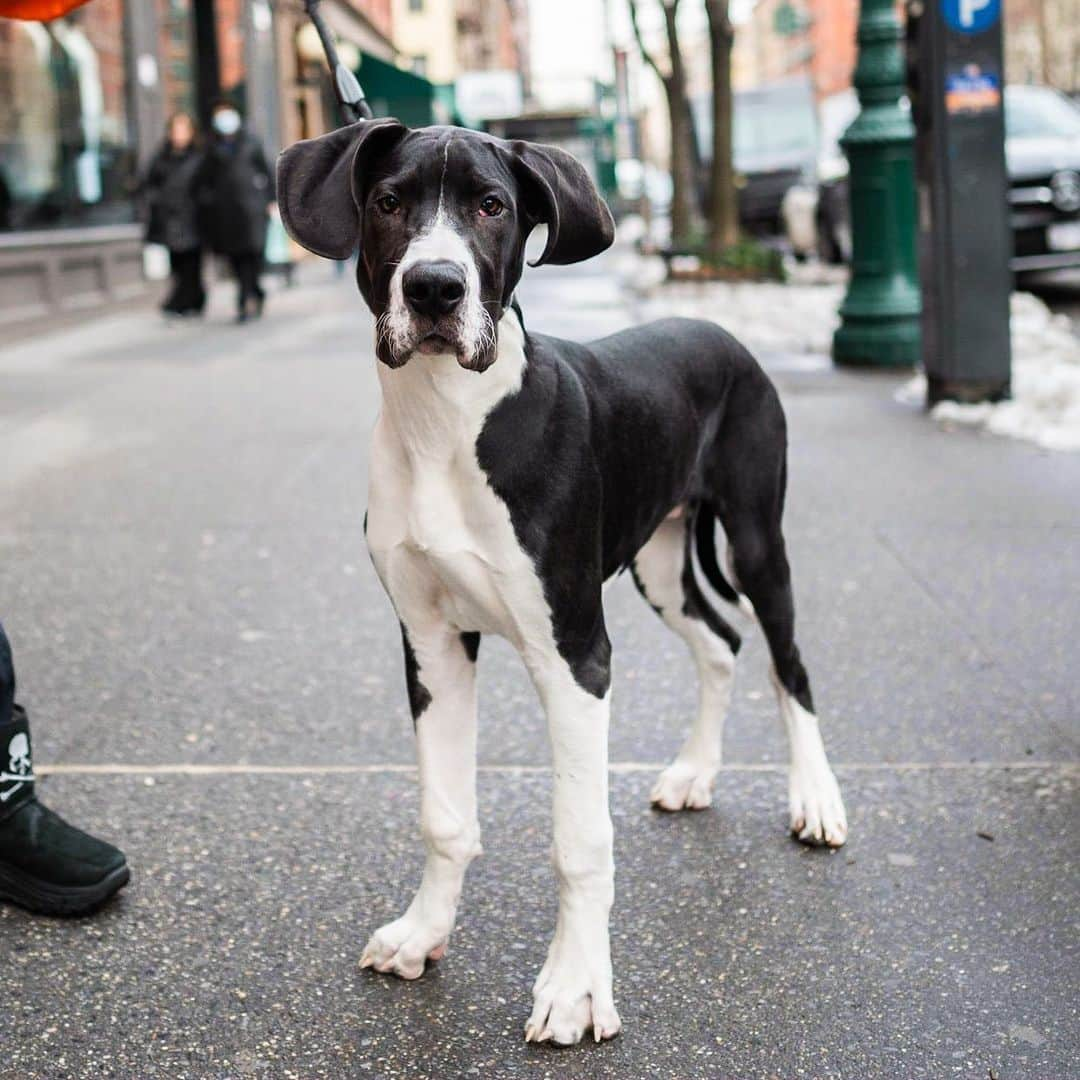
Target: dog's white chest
[(439, 535), (458, 526)]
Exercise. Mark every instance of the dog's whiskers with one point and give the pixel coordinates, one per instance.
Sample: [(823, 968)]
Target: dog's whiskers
[(389, 333)]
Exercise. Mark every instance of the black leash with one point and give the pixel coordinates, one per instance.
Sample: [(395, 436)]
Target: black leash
[(350, 95)]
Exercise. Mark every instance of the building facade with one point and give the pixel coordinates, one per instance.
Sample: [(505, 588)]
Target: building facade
[(442, 39), (425, 32), (1042, 43), (783, 39), (488, 36), (83, 104), (306, 103)]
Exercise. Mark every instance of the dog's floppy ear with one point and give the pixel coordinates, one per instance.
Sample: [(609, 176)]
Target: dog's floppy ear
[(564, 197), (319, 185)]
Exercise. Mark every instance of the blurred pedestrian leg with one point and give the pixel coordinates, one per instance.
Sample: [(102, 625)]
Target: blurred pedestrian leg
[(187, 295), (249, 301), (46, 865)]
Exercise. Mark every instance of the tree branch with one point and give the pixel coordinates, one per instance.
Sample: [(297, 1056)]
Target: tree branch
[(645, 54), (671, 15)]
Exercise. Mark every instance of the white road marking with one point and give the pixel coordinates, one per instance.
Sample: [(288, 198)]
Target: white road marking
[(615, 767)]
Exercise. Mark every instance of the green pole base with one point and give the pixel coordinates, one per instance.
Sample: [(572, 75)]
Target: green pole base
[(877, 342), (880, 315)]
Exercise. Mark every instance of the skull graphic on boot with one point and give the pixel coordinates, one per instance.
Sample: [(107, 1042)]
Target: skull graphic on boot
[(20, 769)]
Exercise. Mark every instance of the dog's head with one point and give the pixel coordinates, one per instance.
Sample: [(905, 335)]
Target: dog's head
[(440, 216)]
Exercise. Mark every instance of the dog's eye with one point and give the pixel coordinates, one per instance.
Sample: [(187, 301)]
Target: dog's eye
[(388, 204), (490, 206)]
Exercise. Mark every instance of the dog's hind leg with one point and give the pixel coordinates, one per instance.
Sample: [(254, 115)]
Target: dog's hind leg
[(664, 574), (816, 808), (748, 474), (440, 671)]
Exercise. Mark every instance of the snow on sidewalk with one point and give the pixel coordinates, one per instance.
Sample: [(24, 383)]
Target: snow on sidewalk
[(766, 316), (801, 318), (1045, 406)]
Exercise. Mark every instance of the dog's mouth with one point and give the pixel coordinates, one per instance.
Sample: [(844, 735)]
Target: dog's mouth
[(436, 344), (395, 348)]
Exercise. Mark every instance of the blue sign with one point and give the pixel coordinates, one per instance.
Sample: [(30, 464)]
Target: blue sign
[(971, 16), (972, 90)]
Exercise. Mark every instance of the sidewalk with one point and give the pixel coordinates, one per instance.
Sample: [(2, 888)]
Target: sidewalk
[(214, 677)]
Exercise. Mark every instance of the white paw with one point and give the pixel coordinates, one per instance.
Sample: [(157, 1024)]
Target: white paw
[(572, 993), (817, 809), (684, 786), (567, 1003), (404, 946)]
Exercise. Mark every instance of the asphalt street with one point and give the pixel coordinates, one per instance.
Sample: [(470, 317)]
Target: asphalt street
[(214, 681)]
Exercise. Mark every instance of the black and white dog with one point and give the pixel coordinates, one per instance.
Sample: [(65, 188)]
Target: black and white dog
[(511, 475)]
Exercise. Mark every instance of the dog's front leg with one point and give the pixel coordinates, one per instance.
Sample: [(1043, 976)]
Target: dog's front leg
[(573, 991), (440, 667)]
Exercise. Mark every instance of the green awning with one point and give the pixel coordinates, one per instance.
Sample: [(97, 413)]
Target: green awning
[(411, 98)]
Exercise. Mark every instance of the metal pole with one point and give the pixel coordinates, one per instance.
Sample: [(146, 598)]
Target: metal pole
[(146, 102), (261, 90), (880, 314), (208, 73), (350, 96)]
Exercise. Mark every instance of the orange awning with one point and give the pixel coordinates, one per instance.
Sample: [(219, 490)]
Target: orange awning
[(37, 9)]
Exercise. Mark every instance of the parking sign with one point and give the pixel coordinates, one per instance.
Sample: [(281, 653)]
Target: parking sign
[(971, 16)]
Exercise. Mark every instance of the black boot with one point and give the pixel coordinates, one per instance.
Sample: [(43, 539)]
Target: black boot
[(47, 865)]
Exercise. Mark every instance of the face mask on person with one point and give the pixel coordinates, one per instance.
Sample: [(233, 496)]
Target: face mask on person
[(226, 122)]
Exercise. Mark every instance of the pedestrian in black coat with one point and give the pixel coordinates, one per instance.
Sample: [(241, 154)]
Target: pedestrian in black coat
[(234, 187), (173, 221)]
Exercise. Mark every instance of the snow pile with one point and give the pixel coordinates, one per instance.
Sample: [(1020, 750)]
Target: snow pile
[(801, 317), (1045, 406), (770, 317)]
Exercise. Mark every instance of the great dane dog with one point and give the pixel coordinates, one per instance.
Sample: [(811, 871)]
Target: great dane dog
[(513, 473)]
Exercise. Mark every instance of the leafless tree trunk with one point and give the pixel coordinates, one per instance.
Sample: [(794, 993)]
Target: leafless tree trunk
[(1044, 44), (723, 204), (684, 213)]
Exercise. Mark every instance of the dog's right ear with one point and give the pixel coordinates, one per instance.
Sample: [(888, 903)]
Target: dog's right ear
[(320, 184)]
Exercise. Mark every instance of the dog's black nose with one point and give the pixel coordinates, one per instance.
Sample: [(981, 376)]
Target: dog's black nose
[(434, 288)]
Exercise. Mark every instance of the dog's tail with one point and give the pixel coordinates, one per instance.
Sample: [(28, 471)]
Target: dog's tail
[(705, 518)]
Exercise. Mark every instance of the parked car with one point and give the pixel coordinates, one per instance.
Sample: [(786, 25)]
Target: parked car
[(1042, 150), (1042, 154), (773, 143)]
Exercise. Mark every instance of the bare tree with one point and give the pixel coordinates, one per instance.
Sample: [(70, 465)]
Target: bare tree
[(723, 204), (1046, 54), (685, 219)]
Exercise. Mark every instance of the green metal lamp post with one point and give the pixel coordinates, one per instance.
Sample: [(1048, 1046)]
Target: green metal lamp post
[(880, 314)]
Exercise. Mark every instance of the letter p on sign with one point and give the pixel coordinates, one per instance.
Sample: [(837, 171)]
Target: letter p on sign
[(971, 16)]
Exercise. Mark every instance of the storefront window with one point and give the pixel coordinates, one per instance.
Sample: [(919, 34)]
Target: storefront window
[(65, 141)]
